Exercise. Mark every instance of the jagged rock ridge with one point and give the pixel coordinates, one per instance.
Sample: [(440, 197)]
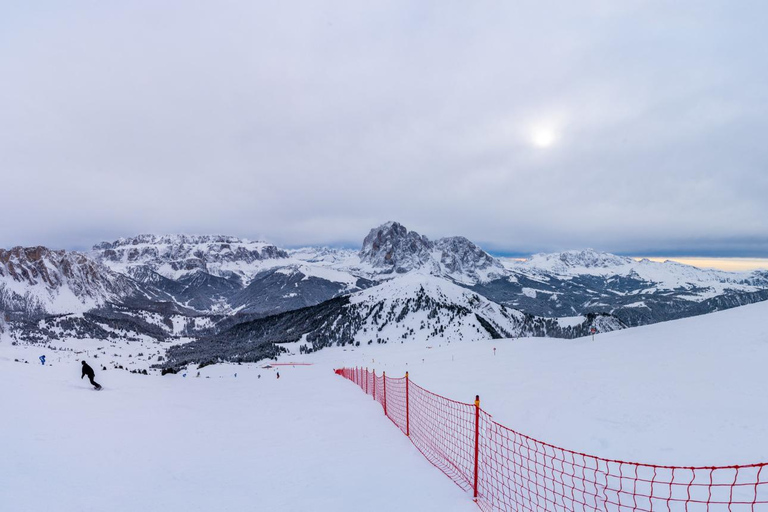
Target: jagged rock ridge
[(391, 248)]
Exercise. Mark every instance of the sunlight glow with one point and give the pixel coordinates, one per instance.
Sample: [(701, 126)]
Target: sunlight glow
[(543, 137)]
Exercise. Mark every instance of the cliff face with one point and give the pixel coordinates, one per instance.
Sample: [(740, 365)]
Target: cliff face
[(38, 280)]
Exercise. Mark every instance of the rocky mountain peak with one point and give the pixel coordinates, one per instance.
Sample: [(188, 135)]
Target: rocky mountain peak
[(40, 265), (392, 248), (459, 255), (56, 281)]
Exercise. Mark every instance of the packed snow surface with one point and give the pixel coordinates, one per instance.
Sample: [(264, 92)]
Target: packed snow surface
[(688, 392), (307, 441)]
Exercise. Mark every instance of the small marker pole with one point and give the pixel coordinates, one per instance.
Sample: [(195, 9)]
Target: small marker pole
[(384, 377), (407, 407), (477, 439)]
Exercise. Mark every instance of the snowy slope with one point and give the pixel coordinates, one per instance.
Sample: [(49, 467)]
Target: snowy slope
[(687, 392), (216, 443), (684, 392), (402, 310), (396, 309)]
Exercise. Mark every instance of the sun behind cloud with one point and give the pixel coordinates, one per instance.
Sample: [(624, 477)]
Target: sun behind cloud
[(543, 137)]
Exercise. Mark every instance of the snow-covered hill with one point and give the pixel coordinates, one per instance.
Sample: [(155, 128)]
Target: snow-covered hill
[(414, 306), (684, 392)]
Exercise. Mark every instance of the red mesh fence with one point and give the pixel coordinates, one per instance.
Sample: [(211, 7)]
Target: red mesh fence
[(506, 470)]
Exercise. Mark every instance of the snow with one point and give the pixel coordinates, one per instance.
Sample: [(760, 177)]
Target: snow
[(571, 321), (329, 274), (687, 392), (308, 441), (684, 392)]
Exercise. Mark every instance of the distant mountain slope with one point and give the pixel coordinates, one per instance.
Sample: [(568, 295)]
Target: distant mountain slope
[(637, 292), (222, 274), (224, 291), (414, 306), (35, 281), (174, 256)]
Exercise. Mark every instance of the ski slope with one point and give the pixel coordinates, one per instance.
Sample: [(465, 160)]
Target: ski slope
[(304, 442), (688, 392)]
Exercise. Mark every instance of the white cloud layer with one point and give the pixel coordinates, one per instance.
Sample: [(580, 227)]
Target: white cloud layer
[(311, 122)]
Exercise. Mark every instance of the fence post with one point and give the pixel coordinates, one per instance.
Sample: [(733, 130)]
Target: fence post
[(366, 380), (374, 383), (407, 407), (477, 438), (384, 377)]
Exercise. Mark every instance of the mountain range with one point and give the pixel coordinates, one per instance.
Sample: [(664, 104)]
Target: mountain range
[(227, 298)]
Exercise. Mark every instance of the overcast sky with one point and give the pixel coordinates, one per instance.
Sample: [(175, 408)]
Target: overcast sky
[(526, 126)]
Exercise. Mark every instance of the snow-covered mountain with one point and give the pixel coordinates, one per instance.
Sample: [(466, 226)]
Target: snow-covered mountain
[(668, 275), (224, 275), (638, 292), (175, 256), (224, 291), (35, 281), (392, 249), (414, 305)]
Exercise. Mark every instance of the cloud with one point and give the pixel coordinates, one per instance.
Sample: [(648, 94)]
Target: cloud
[(309, 123)]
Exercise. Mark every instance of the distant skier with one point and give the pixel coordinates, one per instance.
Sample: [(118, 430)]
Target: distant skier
[(87, 370), (278, 375), (42, 360)]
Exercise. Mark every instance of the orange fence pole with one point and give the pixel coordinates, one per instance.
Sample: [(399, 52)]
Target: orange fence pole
[(477, 438), (384, 375), (407, 408)]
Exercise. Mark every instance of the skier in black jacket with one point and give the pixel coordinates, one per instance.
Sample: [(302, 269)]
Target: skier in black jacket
[(87, 370)]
